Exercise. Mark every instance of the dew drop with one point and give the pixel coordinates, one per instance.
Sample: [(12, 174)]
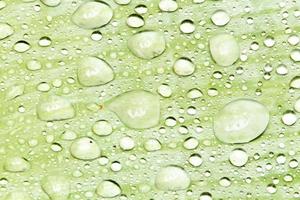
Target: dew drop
[(220, 18), (108, 189), (184, 67), (238, 157), (85, 148)]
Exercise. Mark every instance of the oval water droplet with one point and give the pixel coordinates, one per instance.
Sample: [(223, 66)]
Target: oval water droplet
[(85, 148), (93, 71), (92, 14), (168, 5), (187, 26), (21, 46), (135, 21), (16, 164), (220, 18), (172, 178), (295, 55), (126, 143), (51, 3), (56, 187), (295, 82), (45, 41), (289, 118), (224, 49), (147, 44), (241, 121), (184, 67), (152, 145), (33, 65), (137, 109), (108, 189), (54, 108), (238, 157), (102, 128)]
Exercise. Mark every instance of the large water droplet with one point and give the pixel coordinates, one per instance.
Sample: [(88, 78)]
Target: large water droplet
[(21, 46), (54, 108), (152, 145), (135, 21), (241, 121), (56, 187), (220, 18), (51, 3), (147, 44), (224, 49), (238, 157), (172, 178), (92, 14), (108, 189), (16, 164), (6, 30), (295, 82), (184, 67), (93, 71), (85, 148), (102, 128), (137, 109), (168, 5)]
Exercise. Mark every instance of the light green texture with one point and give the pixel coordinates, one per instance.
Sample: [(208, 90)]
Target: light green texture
[(194, 103)]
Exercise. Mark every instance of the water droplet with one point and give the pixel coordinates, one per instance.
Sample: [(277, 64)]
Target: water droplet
[(135, 21), (21, 46), (56, 187), (51, 3), (164, 90), (56, 147), (123, 2), (220, 18), (141, 9), (54, 108), (92, 14), (33, 65), (85, 148), (295, 55), (238, 157), (93, 71), (6, 30), (116, 166), (102, 128), (194, 93), (137, 109), (282, 70), (289, 118), (168, 5), (96, 36), (108, 189), (295, 82), (195, 160), (241, 121), (68, 135), (225, 182), (184, 67), (147, 44), (269, 41), (126, 143), (281, 159), (43, 87), (152, 145), (187, 26), (293, 40), (16, 164), (45, 41), (172, 178), (271, 188), (205, 196), (224, 49), (190, 143)]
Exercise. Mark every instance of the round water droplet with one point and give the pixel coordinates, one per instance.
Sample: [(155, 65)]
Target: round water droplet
[(152, 145), (172, 178), (16, 164), (85, 148), (56, 187), (168, 5), (93, 71), (195, 160), (164, 90), (92, 14), (224, 49), (190, 143), (225, 182), (45, 41), (295, 55), (135, 21), (293, 40), (269, 41), (147, 44), (289, 118), (220, 18), (137, 109), (194, 93), (116, 166), (141, 9), (33, 65), (54, 108), (68, 135), (238, 157), (21, 46), (205, 196), (96, 36), (184, 67), (241, 121), (126, 143), (123, 2), (187, 26), (6, 30), (51, 3), (108, 189), (271, 188), (17, 195), (102, 128), (43, 87)]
